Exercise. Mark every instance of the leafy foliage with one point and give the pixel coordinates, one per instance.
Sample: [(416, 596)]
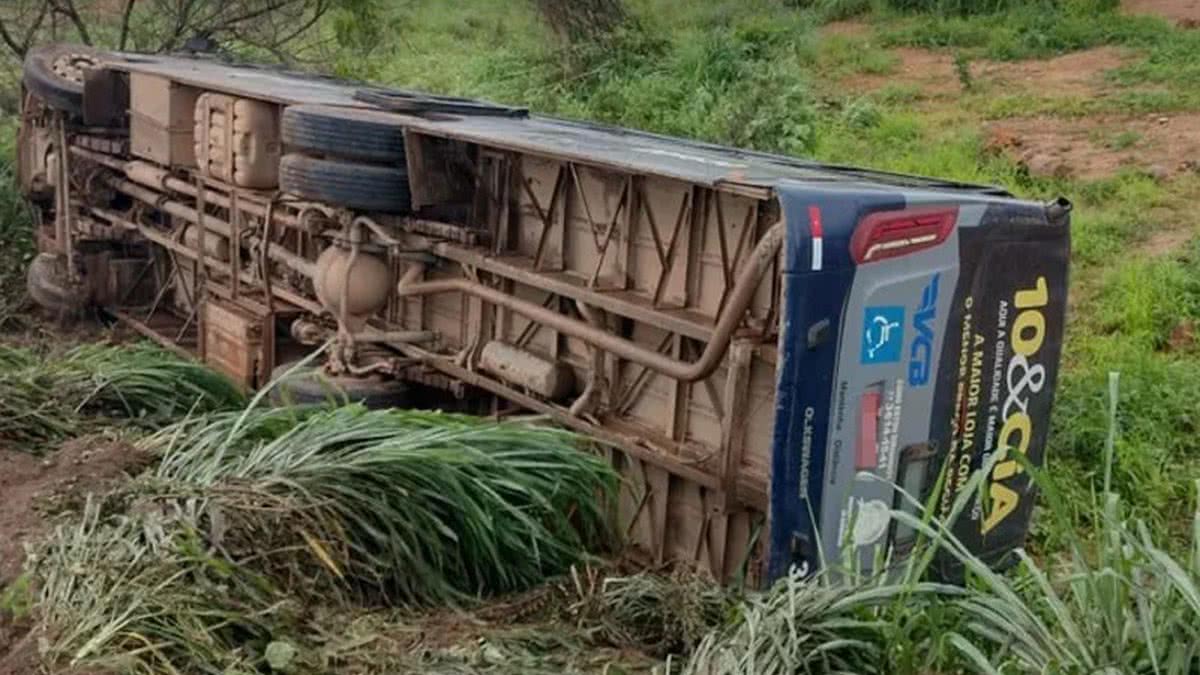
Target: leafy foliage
[(16, 240)]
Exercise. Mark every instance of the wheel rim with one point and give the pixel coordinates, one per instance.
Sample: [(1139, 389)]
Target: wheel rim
[(72, 67)]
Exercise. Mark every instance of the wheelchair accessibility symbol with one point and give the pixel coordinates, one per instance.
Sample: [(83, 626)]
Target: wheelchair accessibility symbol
[(883, 334)]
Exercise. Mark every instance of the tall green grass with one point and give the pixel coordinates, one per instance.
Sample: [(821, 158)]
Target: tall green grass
[(49, 396), (205, 565), (419, 506)]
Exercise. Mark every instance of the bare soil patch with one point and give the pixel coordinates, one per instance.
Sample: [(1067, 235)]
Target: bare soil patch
[(1097, 147), (32, 488), (1075, 74), (1078, 74), (1183, 13), (929, 71), (1165, 241)]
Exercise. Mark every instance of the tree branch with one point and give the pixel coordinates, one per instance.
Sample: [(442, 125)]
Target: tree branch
[(251, 15), (68, 10), (318, 11), (7, 37), (34, 28), (125, 16), (20, 49)]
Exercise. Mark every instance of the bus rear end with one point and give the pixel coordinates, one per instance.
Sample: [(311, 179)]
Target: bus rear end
[(923, 334)]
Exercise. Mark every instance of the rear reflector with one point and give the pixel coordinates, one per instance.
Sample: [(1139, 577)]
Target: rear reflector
[(889, 234), (867, 456)]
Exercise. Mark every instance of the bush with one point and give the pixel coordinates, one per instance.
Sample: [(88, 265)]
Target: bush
[(16, 233)]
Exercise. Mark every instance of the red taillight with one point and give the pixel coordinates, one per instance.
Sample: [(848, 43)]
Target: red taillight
[(866, 456), (889, 234)]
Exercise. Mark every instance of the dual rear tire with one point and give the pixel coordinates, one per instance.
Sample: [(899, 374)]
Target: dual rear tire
[(345, 156)]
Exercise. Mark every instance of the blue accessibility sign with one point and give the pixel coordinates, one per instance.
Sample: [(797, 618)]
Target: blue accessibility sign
[(883, 334)]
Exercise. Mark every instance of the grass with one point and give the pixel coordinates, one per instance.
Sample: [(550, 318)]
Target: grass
[(206, 565), (141, 595), (417, 506), (46, 397), (1117, 601), (15, 230), (1035, 30), (151, 580), (1120, 602), (1117, 537)]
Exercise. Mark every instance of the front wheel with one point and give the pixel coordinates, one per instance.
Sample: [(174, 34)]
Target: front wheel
[(55, 74), (292, 384), (50, 285)]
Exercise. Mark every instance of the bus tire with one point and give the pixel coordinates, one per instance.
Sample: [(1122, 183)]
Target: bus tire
[(361, 187), (309, 385), (345, 133)]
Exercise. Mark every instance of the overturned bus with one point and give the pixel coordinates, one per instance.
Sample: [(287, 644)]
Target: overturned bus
[(768, 347)]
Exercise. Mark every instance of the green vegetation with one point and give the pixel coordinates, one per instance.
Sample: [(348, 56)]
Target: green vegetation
[(253, 514), (1117, 601), (419, 506), (47, 397), (1034, 30), (247, 510), (15, 240)]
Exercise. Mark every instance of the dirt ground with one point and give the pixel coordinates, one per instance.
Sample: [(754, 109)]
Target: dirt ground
[(1184, 13), (1069, 146), (34, 489), (933, 73), (1099, 146)]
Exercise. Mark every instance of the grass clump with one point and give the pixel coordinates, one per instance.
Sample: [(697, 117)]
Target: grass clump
[(208, 563), (422, 507), (1116, 602), (828, 624), (139, 595), (660, 614), (48, 397)]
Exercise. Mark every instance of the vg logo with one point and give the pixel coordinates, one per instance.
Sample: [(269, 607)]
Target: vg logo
[(924, 320)]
